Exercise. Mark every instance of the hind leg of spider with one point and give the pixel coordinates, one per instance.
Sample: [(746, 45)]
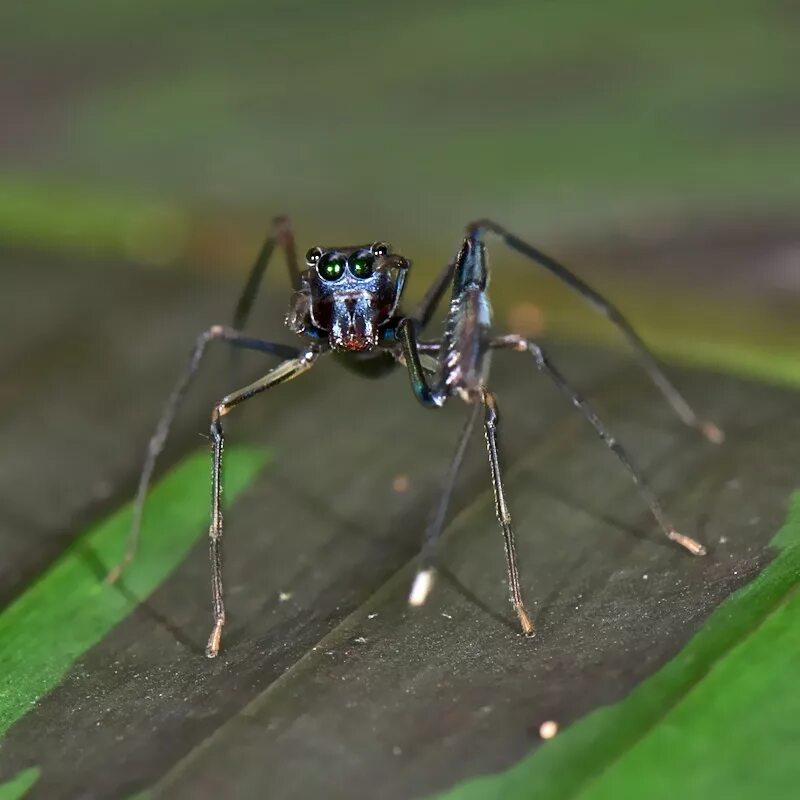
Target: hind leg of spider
[(159, 438), (522, 345), (491, 422), (423, 580), (651, 365), (286, 371)]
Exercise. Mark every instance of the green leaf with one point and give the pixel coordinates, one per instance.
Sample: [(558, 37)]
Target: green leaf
[(20, 785)]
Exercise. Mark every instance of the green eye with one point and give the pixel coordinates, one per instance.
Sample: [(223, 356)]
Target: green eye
[(361, 264), (331, 267)]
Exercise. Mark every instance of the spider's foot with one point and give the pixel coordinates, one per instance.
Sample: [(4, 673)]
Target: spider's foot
[(212, 648), (421, 588), (713, 433), (116, 573), (524, 620), (695, 548)]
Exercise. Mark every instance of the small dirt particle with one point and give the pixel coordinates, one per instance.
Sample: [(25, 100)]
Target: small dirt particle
[(547, 730), (401, 483)]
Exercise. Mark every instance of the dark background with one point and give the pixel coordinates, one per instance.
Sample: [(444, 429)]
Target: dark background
[(629, 123)]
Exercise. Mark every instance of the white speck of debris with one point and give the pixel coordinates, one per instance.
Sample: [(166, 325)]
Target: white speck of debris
[(284, 596), (547, 730), (373, 615), (645, 576), (396, 751), (361, 640), (723, 539), (446, 615)]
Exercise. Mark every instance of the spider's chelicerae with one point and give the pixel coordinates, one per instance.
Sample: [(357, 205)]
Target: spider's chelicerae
[(347, 300)]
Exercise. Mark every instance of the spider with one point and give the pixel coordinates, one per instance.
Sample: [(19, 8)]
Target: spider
[(347, 301)]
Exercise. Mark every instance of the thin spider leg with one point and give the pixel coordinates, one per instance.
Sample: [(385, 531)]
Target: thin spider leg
[(491, 421), (281, 374), (612, 313), (425, 569), (156, 444), (427, 306), (283, 237), (543, 363)]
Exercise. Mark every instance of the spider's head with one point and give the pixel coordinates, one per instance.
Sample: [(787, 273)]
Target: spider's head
[(352, 292)]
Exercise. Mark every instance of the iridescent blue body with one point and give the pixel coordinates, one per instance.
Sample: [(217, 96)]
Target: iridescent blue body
[(359, 315), (348, 297), (347, 301)]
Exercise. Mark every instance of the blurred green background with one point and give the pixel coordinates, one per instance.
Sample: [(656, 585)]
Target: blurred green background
[(653, 145)]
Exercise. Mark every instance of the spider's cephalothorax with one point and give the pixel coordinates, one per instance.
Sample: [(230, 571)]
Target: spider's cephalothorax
[(348, 295), (346, 300)]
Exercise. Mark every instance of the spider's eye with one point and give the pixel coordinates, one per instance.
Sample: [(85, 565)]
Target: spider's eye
[(380, 249), (361, 264), (313, 255), (331, 267)]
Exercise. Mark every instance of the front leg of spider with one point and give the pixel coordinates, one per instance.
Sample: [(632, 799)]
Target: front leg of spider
[(463, 370), (285, 372)]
